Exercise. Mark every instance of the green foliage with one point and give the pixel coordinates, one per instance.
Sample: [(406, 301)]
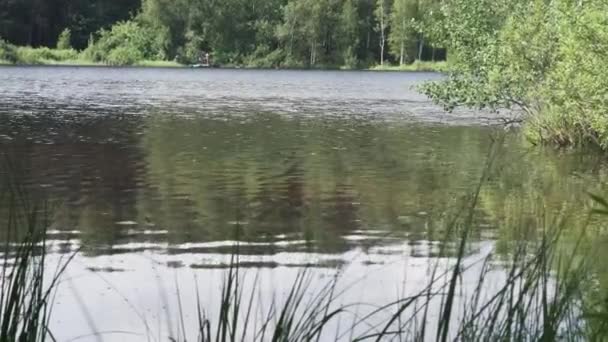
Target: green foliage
[(295, 33), (303, 33), (124, 55), (350, 59), (159, 64), (39, 23), (8, 52), (306, 27), (415, 66), (402, 28), (262, 57), (29, 55), (192, 49), (167, 19), (471, 29), (382, 13), (542, 58), (64, 41), (126, 43), (575, 105), (349, 33)]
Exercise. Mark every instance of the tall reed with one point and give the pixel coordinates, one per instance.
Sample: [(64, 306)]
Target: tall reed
[(25, 292), (538, 293)]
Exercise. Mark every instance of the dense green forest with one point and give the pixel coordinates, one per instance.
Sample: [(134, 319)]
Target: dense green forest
[(39, 22), (259, 33)]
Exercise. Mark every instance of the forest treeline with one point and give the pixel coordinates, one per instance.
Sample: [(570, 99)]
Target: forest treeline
[(39, 22), (262, 33)]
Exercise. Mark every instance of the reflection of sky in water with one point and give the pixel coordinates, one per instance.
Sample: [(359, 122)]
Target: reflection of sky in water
[(153, 172), (124, 293)]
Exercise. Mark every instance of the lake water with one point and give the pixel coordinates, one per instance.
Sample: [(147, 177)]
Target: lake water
[(154, 173)]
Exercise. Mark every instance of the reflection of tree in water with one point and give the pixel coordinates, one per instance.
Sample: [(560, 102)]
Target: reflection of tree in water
[(340, 217), (279, 205), (88, 168), (312, 178), (200, 179)]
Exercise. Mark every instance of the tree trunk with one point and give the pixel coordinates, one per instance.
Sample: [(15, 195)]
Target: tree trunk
[(402, 50), (382, 50), (369, 31), (382, 41), (291, 34), (420, 47), (382, 33)]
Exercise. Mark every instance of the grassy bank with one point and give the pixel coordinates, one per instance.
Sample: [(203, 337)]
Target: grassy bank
[(38, 58), (25, 55), (94, 56), (416, 66), (160, 64)]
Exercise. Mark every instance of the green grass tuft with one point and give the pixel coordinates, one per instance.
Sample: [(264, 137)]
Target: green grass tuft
[(159, 64), (416, 66)]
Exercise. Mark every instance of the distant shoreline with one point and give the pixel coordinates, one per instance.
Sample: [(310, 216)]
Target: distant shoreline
[(414, 67)]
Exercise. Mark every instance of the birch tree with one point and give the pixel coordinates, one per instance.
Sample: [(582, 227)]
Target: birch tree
[(382, 13), (401, 19)]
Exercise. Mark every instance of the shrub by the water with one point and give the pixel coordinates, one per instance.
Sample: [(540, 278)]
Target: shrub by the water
[(124, 44), (29, 55), (441, 66), (350, 59), (64, 41), (123, 55), (574, 94), (544, 59), (263, 57), (8, 52)]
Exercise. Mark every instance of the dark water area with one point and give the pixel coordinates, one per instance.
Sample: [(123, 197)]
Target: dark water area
[(194, 155), (156, 172)]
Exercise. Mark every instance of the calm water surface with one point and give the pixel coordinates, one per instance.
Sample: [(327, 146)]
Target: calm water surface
[(156, 172)]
